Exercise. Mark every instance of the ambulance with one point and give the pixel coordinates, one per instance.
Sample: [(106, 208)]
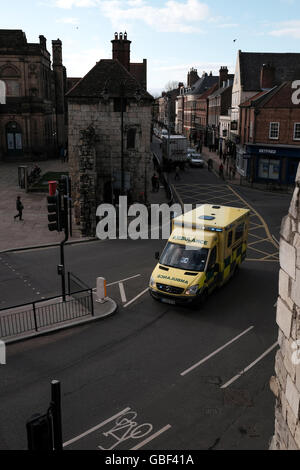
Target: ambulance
[(205, 249)]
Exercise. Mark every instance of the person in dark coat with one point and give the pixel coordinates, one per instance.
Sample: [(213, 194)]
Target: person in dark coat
[(19, 207)]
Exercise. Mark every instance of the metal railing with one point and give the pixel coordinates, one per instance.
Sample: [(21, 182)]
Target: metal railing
[(35, 317)]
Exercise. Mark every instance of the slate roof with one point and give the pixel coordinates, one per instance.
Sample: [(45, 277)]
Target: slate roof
[(278, 97), (107, 74), (287, 67), (220, 91), (204, 83)]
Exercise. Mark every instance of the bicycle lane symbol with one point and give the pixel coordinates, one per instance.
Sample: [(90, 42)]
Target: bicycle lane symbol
[(126, 428)]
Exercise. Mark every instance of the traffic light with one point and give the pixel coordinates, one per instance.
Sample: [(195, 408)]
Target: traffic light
[(39, 433), (54, 213)]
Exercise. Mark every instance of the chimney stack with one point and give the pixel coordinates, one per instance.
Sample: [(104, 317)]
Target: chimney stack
[(57, 53), (121, 49), (267, 76), (192, 77), (223, 76)]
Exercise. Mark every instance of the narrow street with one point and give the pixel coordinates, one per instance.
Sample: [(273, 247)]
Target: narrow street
[(153, 376)]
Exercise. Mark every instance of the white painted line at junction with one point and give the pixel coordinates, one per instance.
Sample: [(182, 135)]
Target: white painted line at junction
[(250, 366), (276, 240), (123, 280), (137, 297), (95, 428), (216, 352), (122, 292), (150, 438)]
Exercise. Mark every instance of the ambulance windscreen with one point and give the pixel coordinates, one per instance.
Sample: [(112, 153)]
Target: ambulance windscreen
[(184, 257)]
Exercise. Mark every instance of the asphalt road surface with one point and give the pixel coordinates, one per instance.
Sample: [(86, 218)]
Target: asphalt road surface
[(153, 376)]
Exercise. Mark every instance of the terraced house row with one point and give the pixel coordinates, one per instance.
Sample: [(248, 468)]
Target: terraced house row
[(249, 115)]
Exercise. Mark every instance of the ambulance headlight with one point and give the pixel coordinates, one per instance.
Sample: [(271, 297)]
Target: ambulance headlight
[(192, 290), (152, 282)]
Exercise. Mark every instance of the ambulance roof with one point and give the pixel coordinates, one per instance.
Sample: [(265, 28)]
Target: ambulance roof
[(199, 239), (211, 216)]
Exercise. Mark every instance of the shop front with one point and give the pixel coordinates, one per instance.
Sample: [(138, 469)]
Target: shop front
[(277, 164)]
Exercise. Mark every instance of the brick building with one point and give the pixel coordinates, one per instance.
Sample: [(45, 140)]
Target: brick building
[(270, 136), (110, 118), (167, 108), (189, 112), (256, 71), (219, 104), (33, 120)]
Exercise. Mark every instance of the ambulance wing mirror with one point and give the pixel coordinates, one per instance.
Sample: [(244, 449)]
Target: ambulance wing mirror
[(157, 255), (217, 268)]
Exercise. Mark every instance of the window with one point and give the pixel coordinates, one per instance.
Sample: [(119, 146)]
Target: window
[(297, 131), (131, 134), (212, 259), (274, 130), (269, 169), (239, 231), (183, 257)]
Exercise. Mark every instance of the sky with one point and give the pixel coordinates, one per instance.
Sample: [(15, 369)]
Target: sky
[(173, 35)]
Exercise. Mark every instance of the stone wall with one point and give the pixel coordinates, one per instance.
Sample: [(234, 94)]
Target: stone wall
[(286, 383), (103, 153)]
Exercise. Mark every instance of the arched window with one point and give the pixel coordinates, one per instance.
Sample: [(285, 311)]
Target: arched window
[(11, 76), (14, 137), (131, 135), (2, 92)]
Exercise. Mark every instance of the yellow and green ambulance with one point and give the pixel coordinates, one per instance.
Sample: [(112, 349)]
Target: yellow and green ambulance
[(205, 248)]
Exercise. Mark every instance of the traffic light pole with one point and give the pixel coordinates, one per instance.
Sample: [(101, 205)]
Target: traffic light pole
[(62, 245)]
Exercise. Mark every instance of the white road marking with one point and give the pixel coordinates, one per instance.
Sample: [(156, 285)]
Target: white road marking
[(137, 297), (123, 280), (95, 428), (215, 352), (250, 366), (122, 292), (278, 243), (150, 438)]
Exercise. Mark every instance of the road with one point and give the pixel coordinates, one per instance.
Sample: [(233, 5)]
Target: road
[(153, 376)]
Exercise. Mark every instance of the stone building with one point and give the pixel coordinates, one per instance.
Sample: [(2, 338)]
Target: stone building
[(286, 383), (110, 118), (33, 120)]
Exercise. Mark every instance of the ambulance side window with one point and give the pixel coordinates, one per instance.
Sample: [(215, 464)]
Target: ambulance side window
[(212, 259), (239, 231), (229, 243)]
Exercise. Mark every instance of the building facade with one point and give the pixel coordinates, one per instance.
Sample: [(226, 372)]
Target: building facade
[(270, 136), (110, 120), (33, 120)]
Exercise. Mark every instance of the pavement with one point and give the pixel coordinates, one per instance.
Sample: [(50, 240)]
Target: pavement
[(33, 230), (101, 310)]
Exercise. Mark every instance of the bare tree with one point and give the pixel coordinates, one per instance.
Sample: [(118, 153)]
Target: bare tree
[(171, 85)]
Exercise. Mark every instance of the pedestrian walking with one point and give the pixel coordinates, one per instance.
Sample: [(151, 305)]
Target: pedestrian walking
[(177, 173), (233, 172), (65, 154), (153, 181), (19, 207), (62, 154), (221, 171), (157, 183)]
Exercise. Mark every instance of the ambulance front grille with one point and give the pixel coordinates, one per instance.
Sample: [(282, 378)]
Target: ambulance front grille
[(170, 289)]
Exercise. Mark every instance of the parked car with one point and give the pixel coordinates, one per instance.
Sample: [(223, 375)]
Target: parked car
[(196, 160)]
